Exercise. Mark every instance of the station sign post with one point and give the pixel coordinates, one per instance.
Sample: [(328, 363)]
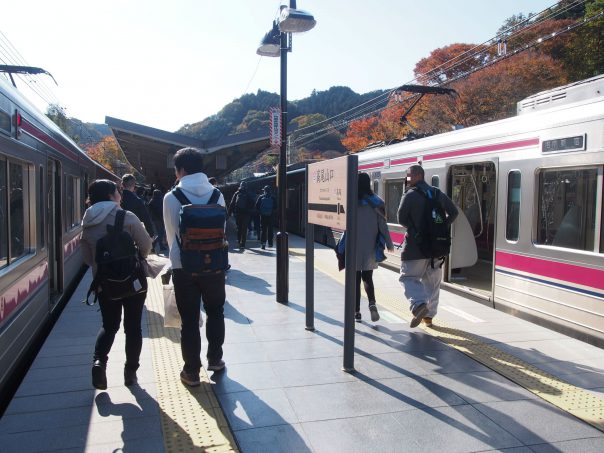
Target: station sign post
[(332, 202)]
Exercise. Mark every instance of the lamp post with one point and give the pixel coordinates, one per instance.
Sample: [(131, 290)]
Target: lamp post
[(277, 43)]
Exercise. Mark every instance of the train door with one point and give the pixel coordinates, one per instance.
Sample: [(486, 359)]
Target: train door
[(55, 243), (473, 188)]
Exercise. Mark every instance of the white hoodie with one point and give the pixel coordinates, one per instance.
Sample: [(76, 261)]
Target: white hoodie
[(198, 190)]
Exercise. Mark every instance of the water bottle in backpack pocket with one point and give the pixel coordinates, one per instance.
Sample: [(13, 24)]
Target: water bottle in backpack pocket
[(201, 238)]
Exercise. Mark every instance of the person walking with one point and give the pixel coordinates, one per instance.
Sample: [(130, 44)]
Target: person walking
[(131, 202), (419, 276), (266, 207), (103, 201), (156, 210), (191, 288), (242, 205), (371, 228)]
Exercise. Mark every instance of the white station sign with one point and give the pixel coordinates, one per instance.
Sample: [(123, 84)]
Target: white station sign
[(327, 187)]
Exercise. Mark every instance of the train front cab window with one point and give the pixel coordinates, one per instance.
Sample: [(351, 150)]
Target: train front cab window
[(473, 188), (567, 208), (15, 241)]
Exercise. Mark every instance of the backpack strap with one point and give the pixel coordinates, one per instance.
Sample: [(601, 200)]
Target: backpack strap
[(180, 196), (215, 196), (119, 221)]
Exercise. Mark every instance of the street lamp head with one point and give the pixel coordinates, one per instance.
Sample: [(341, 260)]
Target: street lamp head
[(292, 20), (270, 46)]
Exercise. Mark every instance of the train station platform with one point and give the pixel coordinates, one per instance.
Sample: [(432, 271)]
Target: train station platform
[(479, 380)]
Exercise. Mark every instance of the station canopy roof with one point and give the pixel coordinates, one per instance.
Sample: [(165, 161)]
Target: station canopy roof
[(151, 150)]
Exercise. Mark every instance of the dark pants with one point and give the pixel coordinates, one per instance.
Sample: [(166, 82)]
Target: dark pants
[(367, 277), (266, 221), (111, 312), (243, 220), (189, 291)]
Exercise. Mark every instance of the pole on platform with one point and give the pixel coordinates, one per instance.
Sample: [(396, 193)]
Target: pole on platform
[(310, 268), (351, 262), (282, 239)]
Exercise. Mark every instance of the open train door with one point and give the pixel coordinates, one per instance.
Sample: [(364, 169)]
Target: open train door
[(473, 188)]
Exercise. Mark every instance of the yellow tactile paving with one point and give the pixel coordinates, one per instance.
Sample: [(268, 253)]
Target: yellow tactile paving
[(191, 418), (574, 400)]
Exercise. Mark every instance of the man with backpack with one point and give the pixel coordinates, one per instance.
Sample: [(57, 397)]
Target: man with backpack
[(427, 214), (242, 205), (266, 207), (195, 219)]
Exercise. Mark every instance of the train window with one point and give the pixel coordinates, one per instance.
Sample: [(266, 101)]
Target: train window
[(394, 192), (435, 182), (512, 226), (17, 226), (72, 202), (3, 214), (41, 207), (567, 208)]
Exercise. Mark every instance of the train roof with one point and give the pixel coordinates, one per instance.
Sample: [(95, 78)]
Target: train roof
[(578, 107), (32, 113)]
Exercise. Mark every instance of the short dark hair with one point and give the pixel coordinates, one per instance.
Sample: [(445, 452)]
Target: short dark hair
[(364, 185), (100, 190), (213, 181), (128, 180), (416, 170), (189, 159)]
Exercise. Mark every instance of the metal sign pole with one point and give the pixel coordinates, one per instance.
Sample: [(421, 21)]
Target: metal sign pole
[(351, 262), (310, 267)]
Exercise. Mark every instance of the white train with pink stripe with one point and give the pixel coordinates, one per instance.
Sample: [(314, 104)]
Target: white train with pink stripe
[(531, 189), (43, 181)]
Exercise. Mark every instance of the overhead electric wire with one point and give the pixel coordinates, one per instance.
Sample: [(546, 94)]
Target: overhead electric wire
[(497, 59)]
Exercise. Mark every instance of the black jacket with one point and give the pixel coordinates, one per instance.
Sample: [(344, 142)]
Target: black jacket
[(131, 202)]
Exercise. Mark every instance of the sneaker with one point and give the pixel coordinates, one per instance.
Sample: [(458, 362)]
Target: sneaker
[(375, 316), (427, 321), (418, 314), (99, 375), (216, 366), (357, 316), (190, 379), (130, 377)]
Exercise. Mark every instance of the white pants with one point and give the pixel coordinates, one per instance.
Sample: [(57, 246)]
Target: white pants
[(421, 284)]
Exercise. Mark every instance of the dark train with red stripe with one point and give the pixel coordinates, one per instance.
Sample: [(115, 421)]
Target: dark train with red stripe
[(43, 181), (531, 188)]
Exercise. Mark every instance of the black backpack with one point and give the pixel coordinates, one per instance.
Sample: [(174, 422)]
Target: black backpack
[(119, 271), (243, 202), (434, 236)]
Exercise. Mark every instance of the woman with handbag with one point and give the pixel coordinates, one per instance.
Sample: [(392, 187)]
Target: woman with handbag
[(103, 217), (372, 231)]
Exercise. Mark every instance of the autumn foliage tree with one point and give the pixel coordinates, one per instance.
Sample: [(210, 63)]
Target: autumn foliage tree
[(108, 153)]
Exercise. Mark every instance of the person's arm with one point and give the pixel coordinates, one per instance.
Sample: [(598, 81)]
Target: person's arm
[(404, 210), (383, 229), (139, 234), (232, 204), (449, 207), (258, 203), (86, 250), (171, 208), (146, 218)]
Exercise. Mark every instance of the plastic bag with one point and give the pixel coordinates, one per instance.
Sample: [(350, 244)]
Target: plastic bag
[(153, 265), (171, 313)]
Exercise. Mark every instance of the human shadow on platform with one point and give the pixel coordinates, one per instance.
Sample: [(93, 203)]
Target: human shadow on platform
[(262, 252), (265, 428), (230, 312), (136, 419), (248, 282), (486, 433)]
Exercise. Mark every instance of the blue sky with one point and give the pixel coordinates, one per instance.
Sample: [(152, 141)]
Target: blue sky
[(164, 64)]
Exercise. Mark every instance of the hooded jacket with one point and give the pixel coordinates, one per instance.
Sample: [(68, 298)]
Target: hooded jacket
[(94, 226), (198, 190)]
